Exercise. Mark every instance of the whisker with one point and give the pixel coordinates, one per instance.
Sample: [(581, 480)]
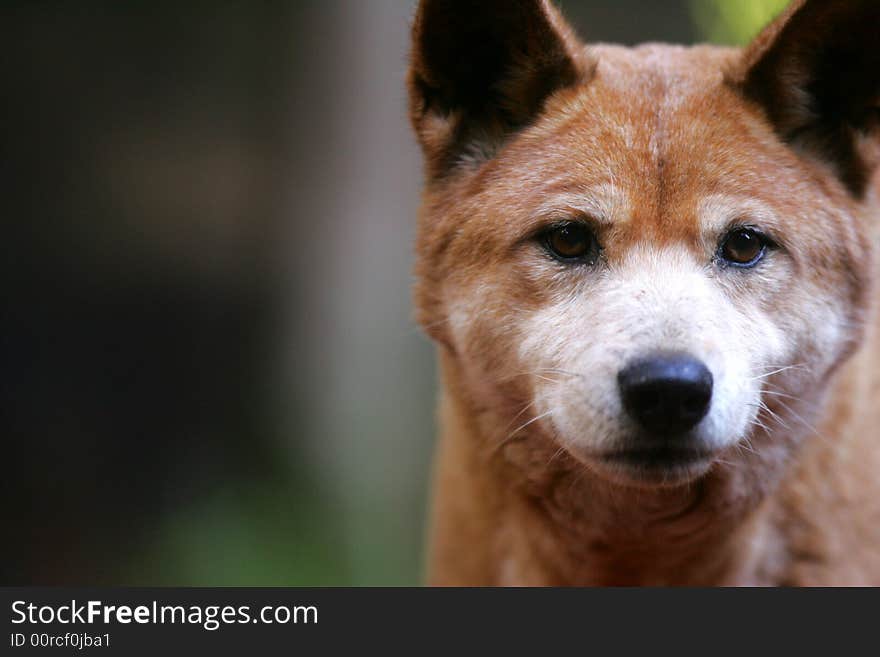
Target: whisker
[(758, 422), (519, 415), (555, 456), (747, 445), (778, 370), (546, 378), (540, 372), (806, 424), (561, 371), (780, 394), (525, 424), (773, 416), (513, 433)]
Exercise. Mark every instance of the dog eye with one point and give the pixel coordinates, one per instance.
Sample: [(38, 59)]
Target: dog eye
[(743, 247), (572, 241)]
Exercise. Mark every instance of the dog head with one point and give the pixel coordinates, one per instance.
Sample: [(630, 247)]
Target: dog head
[(651, 254)]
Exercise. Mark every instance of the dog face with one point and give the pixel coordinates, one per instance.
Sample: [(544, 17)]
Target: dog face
[(648, 257)]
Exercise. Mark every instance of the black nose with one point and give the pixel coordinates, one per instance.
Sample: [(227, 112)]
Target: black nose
[(666, 393)]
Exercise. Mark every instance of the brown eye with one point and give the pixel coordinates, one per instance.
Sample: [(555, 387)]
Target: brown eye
[(743, 247), (572, 241)]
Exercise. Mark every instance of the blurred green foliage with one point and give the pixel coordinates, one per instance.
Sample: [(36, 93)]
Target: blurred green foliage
[(271, 532), (254, 533), (733, 22)]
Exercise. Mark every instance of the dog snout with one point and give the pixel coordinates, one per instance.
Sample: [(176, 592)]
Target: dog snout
[(666, 393)]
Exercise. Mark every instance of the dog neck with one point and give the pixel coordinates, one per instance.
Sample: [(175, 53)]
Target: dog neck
[(525, 513)]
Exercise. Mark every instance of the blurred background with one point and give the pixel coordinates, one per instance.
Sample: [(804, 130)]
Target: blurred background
[(208, 370)]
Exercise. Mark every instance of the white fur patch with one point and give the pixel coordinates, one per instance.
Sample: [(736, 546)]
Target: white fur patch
[(659, 300)]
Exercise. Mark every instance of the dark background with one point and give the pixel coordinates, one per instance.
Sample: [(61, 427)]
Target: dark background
[(208, 370)]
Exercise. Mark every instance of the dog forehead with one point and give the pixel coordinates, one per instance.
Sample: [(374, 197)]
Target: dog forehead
[(656, 106), (664, 67), (654, 133)]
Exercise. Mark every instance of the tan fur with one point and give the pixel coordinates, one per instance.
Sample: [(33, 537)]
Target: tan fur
[(661, 147)]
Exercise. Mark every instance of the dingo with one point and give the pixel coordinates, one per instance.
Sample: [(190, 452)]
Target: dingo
[(648, 273)]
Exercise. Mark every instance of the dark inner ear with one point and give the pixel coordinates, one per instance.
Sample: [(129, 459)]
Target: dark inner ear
[(816, 72), (465, 52), (485, 68)]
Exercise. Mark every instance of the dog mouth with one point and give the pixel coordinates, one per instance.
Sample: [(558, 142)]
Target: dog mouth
[(665, 465)]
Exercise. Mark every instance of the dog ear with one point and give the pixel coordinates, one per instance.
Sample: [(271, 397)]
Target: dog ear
[(816, 73), (482, 70)]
